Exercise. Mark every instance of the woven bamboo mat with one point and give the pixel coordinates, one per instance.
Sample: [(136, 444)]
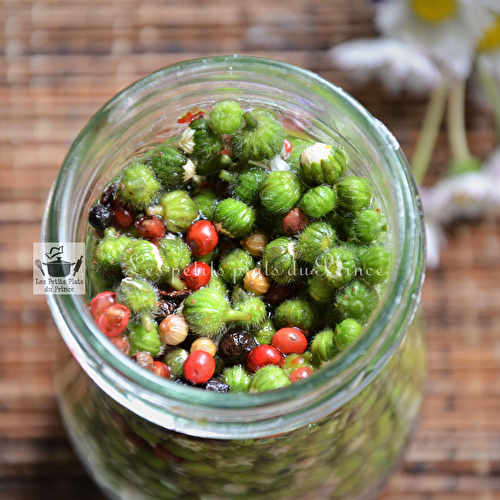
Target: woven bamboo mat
[(61, 61)]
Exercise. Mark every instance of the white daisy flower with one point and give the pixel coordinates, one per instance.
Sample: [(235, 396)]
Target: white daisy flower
[(186, 142), (396, 64), (189, 170), (446, 30)]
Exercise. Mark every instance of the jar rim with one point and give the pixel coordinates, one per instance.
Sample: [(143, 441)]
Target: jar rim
[(344, 375)]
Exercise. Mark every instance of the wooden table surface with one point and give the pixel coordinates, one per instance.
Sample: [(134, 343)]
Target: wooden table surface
[(62, 61)]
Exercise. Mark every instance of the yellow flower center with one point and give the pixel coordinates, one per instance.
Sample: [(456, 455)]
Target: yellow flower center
[(434, 11), (491, 37)]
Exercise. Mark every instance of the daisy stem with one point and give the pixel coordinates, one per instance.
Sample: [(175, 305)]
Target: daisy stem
[(429, 133), (457, 135), (492, 91)]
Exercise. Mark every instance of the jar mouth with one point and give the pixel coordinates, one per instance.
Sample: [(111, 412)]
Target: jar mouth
[(341, 377)]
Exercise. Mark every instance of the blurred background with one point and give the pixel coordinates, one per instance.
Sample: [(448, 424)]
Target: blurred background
[(62, 60)]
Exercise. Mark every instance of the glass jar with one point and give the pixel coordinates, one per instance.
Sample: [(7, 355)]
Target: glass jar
[(333, 436)]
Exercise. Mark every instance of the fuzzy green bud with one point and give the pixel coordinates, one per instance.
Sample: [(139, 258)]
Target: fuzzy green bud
[(375, 263), (234, 218), (368, 225), (323, 347), (346, 333), (316, 239), (234, 265), (177, 209), (336, 267), (257, 309), (143, 340), (141, 259), (217, 283), (268, 378), (353, 194), (176, 256), (294, 361), (226, 117), (175, 361), (279, 260), (237, 378), (320, 290), (280, 191), (297, 313), (206, 201), (138, 186), (245, 185), (322, 164), (318, 201), (138, 295), (170, 166), (298, 147), (357, 301), (108, 250), (265, 334)]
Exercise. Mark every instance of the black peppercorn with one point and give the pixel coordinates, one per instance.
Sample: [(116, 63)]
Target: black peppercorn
[(101, 216), (234, 346)]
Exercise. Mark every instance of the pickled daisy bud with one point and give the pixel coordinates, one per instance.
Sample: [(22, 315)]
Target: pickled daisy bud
[(298, 147), (175, 361), (170, 166), (336, 267), (268, 378), (318, 201), (323, 347), (141, 259), (234, 218), (255, 243), (255, 281), (138, 186), (298, 313), (257, 310), (176, 256), (226, 117), (279, 261), (237, 378), (173, 329), (322, 164), (375, 263), (138, 295), (368, 225), (265, 334), (217, 283), (108, 250), (208, 312), (177, 209), (280, 191), (316, 239), (357, 301), (346, 333), (204, 146), (261, 137), (204, 344), (245, 185), (206, 201), (142, 340), (353, 194), (320, 290), (234, 266)]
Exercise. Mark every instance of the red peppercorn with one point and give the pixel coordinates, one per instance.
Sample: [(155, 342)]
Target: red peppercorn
[(199, 367), (301, 373), (151, 227), (202, 238), (123, 215), (287, 146), (196, 275), (101, 302), (122, 343), (160, 369), (263, 355), (294, 222), (113, 320), (290, 341)]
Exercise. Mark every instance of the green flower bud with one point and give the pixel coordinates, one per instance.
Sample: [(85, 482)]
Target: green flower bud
[(316, 239), (234, 265), (100, 282), (138, 295), (294, 361), (177, 209), (176, 256), (237, 378), (206, 201), (320, 290), (346, 333), (141, 259), (170, 166), (318, 201), (234, 218), (108, 250), (208, 311), (342, 223), (368, 226), (322, 164), (209, 257), (226, 117), (353, 194), (375, 263), (280, 191), (204, 146), (217, 283), (257, 309), (323, 347), (144, 340), (298, 146), (357, 300), (336, 267), (265, 334), (245, 185), (297, 313), (261, 138), (279, 260), (175, 361), (268, 378), (138, 186)]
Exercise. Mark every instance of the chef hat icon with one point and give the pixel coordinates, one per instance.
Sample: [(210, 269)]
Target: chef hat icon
[(55, 252)]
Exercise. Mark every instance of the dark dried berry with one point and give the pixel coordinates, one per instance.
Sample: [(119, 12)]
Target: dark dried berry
[(151, 226), (216, 385), (101, 216), (165, 308), (124, 216), (278, 293), (220, 187), (234, 346), (108, 195)]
